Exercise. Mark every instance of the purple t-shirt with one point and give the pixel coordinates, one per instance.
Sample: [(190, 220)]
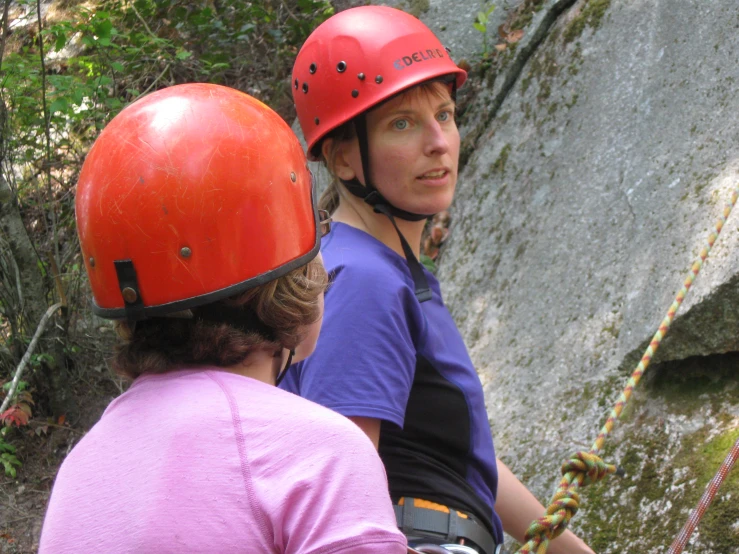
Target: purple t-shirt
[(382, 354), (209, 461)]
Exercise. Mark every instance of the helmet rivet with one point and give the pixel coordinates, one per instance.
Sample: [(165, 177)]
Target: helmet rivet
[(293, 177), (341, 67), (378, 79), (185, 252), (355, 93), (129, 295), (92, 262), (296, 84), (316, 121), (361, 76), (312, 68), (305, 88)]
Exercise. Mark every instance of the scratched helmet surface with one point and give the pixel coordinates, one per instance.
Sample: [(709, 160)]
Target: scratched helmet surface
[(358, 58), (202, 191)]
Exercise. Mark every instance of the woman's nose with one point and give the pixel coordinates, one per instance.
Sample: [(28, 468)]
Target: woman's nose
[(436, 140)]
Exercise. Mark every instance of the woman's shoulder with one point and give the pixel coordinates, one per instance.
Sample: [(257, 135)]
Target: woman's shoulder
[(354, 250), (283, 412), (364, 268)]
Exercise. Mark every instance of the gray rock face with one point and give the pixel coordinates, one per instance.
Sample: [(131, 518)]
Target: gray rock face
[(452, 21), (602, 155)]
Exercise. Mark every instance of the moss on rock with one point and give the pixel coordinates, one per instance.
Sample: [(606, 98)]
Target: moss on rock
[(669, 458), (590, 16)]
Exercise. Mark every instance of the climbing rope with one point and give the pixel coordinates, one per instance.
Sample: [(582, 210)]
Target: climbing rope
[(695, 516), (586, 467)]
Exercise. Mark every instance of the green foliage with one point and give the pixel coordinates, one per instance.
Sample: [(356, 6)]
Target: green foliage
[(41, 358), (101, 58), (22, 386), (481, 25), (428, 263), (247, 45), (7, 457)]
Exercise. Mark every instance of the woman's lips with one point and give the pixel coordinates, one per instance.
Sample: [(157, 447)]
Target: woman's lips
[(435, 177)]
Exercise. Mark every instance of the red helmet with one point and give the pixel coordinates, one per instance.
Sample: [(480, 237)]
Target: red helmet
[(358, 58), (192, 194)]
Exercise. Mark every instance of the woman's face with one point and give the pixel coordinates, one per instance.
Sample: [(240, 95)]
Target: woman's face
[(414, 149)]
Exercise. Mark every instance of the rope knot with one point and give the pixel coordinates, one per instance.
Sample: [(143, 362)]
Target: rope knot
[(589, 467), (582, 469), (564, 505)]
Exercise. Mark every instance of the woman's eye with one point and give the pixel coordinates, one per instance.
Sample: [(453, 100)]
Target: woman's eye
[(444, 116), (400, 124)]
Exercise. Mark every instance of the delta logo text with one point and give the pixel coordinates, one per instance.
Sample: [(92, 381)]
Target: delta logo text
[(417, 57)]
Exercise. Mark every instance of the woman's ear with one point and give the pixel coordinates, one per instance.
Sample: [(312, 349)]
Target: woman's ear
[(336, 154)]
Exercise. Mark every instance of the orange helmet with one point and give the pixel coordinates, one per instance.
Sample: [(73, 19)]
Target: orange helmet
[(358, 58), (190, 195)]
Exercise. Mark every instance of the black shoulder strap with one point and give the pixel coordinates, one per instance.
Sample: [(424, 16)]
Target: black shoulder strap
[(420, 283)]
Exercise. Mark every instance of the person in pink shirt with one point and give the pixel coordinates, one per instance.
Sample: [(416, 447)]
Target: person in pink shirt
[(200, 237)]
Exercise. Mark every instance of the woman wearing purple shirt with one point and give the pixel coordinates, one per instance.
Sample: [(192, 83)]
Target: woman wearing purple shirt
[(375, 95)]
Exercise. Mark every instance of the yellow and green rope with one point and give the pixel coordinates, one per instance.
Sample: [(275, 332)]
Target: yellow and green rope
[(587, 467)]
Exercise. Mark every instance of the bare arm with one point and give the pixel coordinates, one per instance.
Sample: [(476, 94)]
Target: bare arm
[(517, 508), (371, 428)]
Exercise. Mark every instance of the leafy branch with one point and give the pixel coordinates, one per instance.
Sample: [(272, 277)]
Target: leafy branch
[(481, 24)]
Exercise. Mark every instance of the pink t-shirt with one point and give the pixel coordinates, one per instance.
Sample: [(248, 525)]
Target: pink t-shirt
[(209, 461)]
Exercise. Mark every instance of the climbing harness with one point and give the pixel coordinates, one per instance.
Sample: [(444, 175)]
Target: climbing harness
[(447, 549), (586, 467), (428, 519)]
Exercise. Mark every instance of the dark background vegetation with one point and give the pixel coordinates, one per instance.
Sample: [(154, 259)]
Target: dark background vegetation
[(66, 68)]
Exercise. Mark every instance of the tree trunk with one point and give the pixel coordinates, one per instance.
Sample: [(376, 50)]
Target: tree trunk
[(32, 289)]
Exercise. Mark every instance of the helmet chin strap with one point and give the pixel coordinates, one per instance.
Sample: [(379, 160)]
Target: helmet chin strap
[(283, 372), (379, 203)]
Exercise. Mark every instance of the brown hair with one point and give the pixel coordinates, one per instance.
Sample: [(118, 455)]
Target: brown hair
[(330, 198), (285, 305)]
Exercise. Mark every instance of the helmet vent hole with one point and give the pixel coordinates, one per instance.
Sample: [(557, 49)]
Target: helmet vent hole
[(448, 50), (185, 252), (341, 67), (361, 76), (317, 121), (92, 262), (305, 88), (293, 177), (355, 93), (378, 79), (296, 84), (312, 68)]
